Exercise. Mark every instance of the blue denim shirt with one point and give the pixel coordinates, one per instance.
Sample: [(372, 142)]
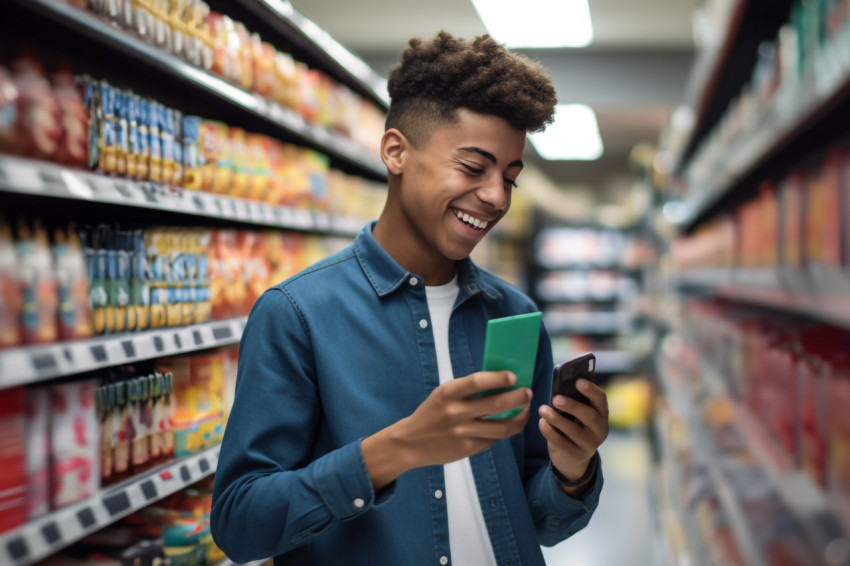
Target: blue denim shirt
[(336, 353)]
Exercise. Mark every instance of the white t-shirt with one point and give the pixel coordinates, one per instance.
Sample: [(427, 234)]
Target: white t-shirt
[(468, 538)]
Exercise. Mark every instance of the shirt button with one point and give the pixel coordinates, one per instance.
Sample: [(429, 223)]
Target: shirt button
[(444, 560), (438, 494), (423, 323), (359, 503), (414, 281)]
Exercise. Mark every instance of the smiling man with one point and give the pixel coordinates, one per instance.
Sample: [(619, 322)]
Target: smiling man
[(357, 436)]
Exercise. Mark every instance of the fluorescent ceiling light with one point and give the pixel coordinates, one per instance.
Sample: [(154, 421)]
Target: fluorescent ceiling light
[(574, 136), (537, 23)]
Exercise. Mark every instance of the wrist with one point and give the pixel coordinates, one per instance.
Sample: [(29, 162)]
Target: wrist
[(579, 482), (386, 456)]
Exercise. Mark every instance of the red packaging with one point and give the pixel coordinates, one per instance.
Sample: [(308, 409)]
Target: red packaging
[(13, 476), (39, 130), (74, 442), (74, 119)]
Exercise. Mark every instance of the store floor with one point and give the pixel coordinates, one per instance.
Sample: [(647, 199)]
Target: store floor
[(623, 530)]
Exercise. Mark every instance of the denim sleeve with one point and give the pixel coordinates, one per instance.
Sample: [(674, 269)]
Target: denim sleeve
[(270, 494), (556, 515)]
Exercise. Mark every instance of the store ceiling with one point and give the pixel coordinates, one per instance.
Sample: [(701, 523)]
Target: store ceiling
[(633, 75)]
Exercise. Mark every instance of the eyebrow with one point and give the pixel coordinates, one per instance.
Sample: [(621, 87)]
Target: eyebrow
[(486, 154)]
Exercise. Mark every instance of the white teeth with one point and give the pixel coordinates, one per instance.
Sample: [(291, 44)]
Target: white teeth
[(480, 224)]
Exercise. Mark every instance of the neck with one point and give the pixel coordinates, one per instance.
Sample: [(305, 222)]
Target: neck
[(435, 269)]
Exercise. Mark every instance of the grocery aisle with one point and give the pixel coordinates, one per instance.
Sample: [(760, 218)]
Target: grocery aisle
[(623, 530)]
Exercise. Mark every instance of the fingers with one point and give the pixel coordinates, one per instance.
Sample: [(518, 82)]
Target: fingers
[(497, 429), (499, 402), (480, 382), (597, 397)]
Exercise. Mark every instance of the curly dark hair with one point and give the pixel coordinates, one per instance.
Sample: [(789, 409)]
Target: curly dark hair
[(435, 78)]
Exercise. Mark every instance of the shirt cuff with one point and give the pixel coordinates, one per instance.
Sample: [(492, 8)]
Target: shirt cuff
[(344, 483), (588, 501)]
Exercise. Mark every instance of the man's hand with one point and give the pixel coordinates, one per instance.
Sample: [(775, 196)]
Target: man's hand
[(572, 451), (448, 426)]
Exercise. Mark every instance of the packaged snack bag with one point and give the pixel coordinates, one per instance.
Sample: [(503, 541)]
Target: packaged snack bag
[(73, 118), (75, 320), (223, 58), (263, 55), (74, 442), (39, 129), (287, 91), (40, 299), (240, 163), (155, 121), (259, 177), (193, 163)]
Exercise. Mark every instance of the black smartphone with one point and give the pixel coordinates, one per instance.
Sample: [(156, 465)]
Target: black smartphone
[(565, 375)]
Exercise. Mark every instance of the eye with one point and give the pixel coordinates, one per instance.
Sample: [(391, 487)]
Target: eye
[(470, 169), (509, 183)]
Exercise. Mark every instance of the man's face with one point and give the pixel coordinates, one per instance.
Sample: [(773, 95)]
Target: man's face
[(458, 186)]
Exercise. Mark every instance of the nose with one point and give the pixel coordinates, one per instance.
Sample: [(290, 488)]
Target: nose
[(493, 193)]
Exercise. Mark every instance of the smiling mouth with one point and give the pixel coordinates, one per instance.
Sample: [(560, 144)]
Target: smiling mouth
[(470, 221)]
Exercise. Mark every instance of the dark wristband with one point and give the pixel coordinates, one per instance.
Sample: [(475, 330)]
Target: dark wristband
[(588, 475)]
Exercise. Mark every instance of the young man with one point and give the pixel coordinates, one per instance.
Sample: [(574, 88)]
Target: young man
[(356, 437)]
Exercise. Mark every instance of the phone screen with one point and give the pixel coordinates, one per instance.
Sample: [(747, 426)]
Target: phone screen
[(566, 374)]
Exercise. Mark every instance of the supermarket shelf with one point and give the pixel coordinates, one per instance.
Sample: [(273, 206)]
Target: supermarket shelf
[(794, 111), (587, 323), (708, 65), (684, 406), (808, 502), (38, 178), (163, 62), (822, 298), (341, 63), (31, 364), (44, 536)]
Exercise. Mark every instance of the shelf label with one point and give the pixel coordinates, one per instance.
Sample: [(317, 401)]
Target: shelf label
[(117, 503), (98, 352), (184, 474), (177, 341), (86, 517), (158, 344), (149, 490), (50, 532), (44, 362), (222, 333), (199, 340), (204, 465), (129, 348), (18, 548)]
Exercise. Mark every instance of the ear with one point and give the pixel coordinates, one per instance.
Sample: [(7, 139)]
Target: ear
[(394, 147)]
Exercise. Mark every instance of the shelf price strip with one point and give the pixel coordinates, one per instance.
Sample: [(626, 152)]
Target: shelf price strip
[(35, 363), (32, 177), (46, 535)]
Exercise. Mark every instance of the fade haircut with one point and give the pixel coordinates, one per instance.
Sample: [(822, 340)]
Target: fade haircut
[(435, 78)]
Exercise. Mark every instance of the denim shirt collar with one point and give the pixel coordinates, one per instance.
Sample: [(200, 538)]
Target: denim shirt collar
[(386, 275)]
